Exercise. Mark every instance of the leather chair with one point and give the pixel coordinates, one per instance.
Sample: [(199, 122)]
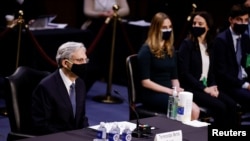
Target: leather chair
[(3, 110), (244, 116), (137, 110), (19, 87)]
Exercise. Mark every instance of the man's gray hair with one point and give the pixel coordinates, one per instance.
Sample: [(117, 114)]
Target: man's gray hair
[(66, 49)]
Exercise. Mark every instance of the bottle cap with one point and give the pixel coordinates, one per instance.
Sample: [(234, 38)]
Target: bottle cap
[(102, 123), (175, 91)]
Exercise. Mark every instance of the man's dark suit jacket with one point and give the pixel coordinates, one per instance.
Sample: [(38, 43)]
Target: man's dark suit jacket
[(225, 63), (190, 67), (51, 107)]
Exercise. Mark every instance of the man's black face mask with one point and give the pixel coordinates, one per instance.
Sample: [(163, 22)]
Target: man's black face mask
[(240, 28), (79, 69)]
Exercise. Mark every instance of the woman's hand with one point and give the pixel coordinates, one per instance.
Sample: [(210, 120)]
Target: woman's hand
[(215, 91), (178, 89), (107, 14), (212, 90)]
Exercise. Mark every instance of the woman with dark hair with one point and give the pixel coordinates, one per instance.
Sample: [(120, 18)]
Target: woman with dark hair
[(157, 66), (196, 71)]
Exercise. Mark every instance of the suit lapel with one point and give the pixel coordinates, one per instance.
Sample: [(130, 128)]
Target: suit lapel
[(79, 103), (231, 43), (63, 93)]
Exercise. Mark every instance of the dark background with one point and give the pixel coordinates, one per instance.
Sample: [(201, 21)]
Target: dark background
[(71, 12)]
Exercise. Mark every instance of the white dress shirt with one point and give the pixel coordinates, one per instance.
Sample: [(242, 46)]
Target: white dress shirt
[(104, 5), (205, 61)]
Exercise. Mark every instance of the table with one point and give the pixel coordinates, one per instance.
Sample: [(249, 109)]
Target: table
[(137, 35), (51, 39), (162, 125), (48, 39)]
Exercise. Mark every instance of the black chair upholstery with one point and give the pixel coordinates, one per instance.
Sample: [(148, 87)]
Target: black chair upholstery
[(205, 114), (19, 87), (3, 110), (134, 91), (244, 115)]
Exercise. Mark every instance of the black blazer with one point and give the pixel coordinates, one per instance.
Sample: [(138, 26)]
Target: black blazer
[(51, 107), (190, 66), (226, 68)]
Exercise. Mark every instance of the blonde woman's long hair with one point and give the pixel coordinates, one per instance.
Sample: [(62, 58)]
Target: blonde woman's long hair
[(155, 37)]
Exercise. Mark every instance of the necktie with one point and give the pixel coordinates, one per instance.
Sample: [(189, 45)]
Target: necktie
[(238, 56), (72, 95)]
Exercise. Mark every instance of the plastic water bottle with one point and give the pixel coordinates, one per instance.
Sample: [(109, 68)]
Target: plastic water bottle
[(126, 134), (102, 131), (114, 133), (172, 105)]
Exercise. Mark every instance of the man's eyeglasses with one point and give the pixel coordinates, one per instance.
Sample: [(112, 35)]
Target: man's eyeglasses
[(81, 60)]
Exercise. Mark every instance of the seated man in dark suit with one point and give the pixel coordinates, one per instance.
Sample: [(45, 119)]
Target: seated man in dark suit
[(58, 102), (231, 57)]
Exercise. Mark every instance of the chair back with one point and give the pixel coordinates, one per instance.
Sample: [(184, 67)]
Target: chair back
[(19, 89), (134, 84), (135, 91)]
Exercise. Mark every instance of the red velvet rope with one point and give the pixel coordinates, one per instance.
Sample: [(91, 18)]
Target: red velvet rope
[(2, 34), (93, 44), (100, 33), (125, 34), (90, 49), (39, 48)]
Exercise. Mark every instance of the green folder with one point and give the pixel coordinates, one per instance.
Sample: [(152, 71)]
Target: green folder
[(204, 81), (248, 60)]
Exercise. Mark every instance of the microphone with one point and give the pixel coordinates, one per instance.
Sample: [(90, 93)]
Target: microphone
[(141, 130)]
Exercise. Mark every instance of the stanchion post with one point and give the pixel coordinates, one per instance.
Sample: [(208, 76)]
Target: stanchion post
[(108, 98), (20, 22)]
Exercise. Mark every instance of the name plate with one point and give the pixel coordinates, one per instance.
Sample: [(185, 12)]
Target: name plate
[(169, 136)]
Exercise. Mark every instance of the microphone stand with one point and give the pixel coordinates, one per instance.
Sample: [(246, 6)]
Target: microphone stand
[(137, 132), (108, 98)]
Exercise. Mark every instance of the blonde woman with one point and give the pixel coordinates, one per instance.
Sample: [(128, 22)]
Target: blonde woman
[(158, 66)]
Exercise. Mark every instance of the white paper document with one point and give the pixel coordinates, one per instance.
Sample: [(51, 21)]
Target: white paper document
[(139, 23), (169, 136), (196, 123), (121, 124), (45, 22)]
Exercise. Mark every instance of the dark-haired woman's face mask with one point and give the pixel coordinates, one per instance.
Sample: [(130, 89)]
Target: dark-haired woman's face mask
[(197, 31), (240, 28), (166, 33)]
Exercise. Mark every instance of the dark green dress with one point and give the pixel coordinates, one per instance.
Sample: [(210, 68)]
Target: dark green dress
[(159, 70)]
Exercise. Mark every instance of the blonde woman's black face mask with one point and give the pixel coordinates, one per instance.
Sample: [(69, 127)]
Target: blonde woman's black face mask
[(166, 33)]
